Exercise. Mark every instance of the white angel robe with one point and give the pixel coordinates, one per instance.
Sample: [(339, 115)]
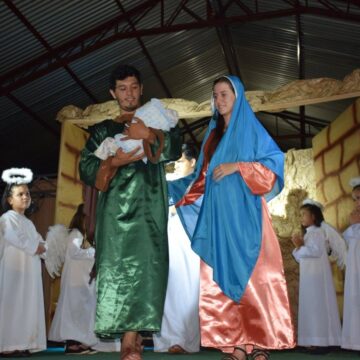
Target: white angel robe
[(351, 315), (180, 323), (75, 307), (318, 316), (22, 315), (74, 317)]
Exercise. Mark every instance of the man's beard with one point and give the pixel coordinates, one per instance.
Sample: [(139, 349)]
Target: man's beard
[(129, 108)]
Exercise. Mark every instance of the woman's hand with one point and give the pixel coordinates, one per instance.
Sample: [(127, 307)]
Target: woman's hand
[(224, 169)]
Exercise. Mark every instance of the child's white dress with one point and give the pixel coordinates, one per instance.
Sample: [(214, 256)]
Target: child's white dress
[(180, 323), (351, 316), (74, 317), (22, 315), (318, 319)]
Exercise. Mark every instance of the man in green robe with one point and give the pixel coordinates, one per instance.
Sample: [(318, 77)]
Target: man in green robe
[(131, 222)]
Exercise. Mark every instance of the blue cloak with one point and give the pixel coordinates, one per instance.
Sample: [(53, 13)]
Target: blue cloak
[(225, 228)]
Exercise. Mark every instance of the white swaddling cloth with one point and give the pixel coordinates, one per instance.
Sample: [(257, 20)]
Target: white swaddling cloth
[(154, 115)]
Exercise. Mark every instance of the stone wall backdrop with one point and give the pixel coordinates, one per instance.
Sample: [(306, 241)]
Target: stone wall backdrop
[(336, 160)]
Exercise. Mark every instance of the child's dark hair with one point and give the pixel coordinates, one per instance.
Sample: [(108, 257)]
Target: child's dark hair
[(121, 72), (78, 220), (189, 150), (316, 211), (357, 187), (6, 194), (220, 122)]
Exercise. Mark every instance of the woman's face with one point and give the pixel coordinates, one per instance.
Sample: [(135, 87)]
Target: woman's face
[(307, 218), (19, 199), (224, 99)]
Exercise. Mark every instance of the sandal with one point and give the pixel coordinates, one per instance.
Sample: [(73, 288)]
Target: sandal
[(257, 353), (16, 353), (233, 357)]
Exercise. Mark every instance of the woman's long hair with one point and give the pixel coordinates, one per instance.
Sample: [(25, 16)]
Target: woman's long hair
[(220, 122)]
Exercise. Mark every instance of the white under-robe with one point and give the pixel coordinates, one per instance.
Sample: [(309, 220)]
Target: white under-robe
[(74, 316), (351, 315), (180, 323), (318, 316), (22, 315)]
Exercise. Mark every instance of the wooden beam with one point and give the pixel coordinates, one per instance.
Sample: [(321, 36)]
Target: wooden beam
[(47, 46)]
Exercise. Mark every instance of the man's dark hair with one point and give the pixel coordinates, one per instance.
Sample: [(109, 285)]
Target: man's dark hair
[(121, 72), (189, 150)]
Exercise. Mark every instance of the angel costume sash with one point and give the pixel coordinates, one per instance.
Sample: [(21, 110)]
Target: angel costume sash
[(226, 228)]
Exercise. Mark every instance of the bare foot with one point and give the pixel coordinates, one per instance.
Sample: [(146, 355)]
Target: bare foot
[(131, 346), (139, 341), (176, 349)]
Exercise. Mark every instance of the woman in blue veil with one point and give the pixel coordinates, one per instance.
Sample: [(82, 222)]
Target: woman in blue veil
[(244, 305)]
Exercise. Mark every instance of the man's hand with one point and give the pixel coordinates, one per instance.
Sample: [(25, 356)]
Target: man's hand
[(224, 169), (122, 158), (137, 130)]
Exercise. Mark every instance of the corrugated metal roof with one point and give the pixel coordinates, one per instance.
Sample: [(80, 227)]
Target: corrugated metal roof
[(188, 61), (59, 21)]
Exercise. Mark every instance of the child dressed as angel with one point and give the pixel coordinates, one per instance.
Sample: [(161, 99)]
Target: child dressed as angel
[(22, 316), (74, 317), (319, 319), (351, 316)]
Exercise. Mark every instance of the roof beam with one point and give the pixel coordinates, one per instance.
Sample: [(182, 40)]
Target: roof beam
[(301, 70), (155, 69), (309, 120), (36, 117), (109, 32), (47, 46), (226, 42), (145, 51)]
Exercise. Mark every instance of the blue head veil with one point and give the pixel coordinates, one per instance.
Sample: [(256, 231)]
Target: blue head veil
[(228, 231)]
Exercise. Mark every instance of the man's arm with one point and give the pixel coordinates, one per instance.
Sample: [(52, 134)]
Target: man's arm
[(171, 143), (99, 173)]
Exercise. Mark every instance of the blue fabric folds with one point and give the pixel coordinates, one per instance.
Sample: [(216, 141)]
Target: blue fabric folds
[(226, 228)]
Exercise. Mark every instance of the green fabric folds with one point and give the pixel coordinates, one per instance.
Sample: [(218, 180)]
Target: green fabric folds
[(131, 237)]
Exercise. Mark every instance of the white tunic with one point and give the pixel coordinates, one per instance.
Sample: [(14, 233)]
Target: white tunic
[(180, 323), (22, 315), (318, 320), (351, 316), (74, 317)]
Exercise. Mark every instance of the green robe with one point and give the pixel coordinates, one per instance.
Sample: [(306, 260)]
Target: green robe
[(131, 237)]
